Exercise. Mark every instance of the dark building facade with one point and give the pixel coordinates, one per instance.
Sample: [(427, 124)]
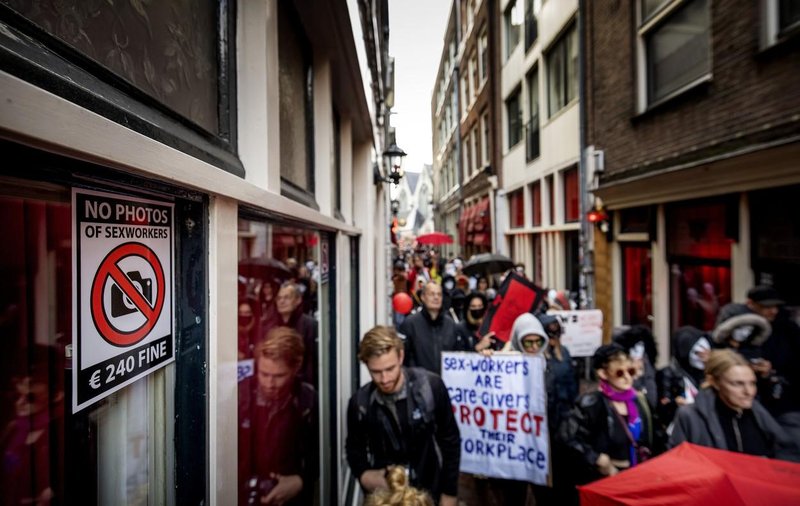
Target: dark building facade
[(693, 146)]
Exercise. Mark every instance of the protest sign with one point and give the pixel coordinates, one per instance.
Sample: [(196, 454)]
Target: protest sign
[(583, 330), (515, 296), (500, 406)]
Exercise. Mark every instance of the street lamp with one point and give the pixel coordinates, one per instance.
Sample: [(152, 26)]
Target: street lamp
[(394, 157)]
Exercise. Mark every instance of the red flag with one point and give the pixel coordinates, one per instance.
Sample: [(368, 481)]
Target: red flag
[(516, 295)]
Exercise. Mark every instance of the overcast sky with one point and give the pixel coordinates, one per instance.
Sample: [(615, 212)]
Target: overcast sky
[(416, 37)]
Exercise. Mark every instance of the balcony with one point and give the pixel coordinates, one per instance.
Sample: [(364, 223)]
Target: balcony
[(532, 138)]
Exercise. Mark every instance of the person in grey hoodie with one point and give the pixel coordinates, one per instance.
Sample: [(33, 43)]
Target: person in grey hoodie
[(726, 415)]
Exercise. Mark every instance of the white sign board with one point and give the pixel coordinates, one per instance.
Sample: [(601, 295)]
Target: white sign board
[(500, 406), (583, 330), (122, 265)]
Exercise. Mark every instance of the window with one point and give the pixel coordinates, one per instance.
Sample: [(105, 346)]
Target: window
[(514, 119), (486, 135), (475, 149), (571, 196), (531, 28), (572, 260), (551, 199), (337, 162), (467, 158), (562, 70), (278, 344), (536, 203), (473, 68), (483, 48), (465, 94), (517, 206), (780, 20), (532, 127), (637, 284), (296, 88), (676, 48), (513, 21)]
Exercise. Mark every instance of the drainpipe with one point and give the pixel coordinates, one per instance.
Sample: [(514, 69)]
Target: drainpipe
[(587, 279)]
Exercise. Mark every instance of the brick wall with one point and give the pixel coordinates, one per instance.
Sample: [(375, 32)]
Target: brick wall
[(753, 96)]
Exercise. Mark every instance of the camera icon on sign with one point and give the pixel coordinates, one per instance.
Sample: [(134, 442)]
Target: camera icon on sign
[(121, 304)]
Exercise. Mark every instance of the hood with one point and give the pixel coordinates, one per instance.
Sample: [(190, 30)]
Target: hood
[(733, 316), (682, 341), (524, 325)]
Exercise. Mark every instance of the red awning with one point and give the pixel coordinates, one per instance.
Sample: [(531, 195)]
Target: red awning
[(481, 220)]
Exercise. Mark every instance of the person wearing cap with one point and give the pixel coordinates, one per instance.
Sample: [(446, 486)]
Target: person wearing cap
[(781, 354), (610, 428)]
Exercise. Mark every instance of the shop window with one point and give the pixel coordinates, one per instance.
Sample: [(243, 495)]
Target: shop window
[(572, 247), (699, 237), (572, 211), (637, 284), (536, 203), (775, 235), (517, 207), (537, 259), (636, 220), (296, 89), (123, 447), (280, 275)]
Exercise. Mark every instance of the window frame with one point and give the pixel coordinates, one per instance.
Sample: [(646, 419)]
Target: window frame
[(568, 90), (516, 126), (770, 32), (645, 28), (509, 16)]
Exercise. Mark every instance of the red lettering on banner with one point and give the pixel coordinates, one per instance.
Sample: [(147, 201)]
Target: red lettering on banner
[(538, 419), (464, 414), (494, 413), (526, 427), (480, 416), (511, 420)]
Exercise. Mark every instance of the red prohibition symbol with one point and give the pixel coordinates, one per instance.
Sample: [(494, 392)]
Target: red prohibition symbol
[(109, 270)]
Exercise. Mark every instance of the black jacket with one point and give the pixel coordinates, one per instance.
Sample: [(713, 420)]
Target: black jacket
[(426, 339), (277, 440), (427, 439), (699, 423), (593, 428)]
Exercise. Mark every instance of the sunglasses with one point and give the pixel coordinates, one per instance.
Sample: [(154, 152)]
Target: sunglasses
[(621, 372), (529, 344)]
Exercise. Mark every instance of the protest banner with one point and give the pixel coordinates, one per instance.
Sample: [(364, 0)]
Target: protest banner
[(500, 406), (515, 296), (583, 330)]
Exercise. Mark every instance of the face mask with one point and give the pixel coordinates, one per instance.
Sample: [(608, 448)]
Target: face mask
[(476, 314), (637, 352), (700, 346), (448, 285), (740, 334)]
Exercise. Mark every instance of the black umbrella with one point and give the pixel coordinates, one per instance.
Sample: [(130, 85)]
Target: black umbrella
[(264, 268), (487, 263)]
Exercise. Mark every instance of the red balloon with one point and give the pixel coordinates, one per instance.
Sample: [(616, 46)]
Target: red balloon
[(402, 303)]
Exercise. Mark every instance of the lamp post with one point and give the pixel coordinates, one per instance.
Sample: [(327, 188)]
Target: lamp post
[(394, 158)]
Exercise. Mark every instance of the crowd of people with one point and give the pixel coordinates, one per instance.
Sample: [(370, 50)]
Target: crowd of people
[(734, 388)]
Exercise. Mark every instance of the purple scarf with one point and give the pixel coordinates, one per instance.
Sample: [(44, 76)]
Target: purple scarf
[(634, 422)]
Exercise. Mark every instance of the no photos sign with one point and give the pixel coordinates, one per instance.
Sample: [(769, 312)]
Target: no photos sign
[(124, 291)]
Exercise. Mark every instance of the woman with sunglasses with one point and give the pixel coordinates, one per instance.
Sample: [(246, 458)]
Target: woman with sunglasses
[(610, 428)]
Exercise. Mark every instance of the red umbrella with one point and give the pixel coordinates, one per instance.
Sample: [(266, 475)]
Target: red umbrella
[(696, 475), (435, 238)]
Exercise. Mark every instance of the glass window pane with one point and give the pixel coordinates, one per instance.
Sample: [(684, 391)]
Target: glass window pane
[(788, 14), (678, 50), (572, 65), (649, 7), (295, 89), (173, 60), (637, 284), (555, 71), (571, 196), (279, 276)]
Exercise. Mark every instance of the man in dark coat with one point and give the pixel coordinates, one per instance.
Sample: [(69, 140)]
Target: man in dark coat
[(278, 461), (289, 305), (403, 417), (430, 332)]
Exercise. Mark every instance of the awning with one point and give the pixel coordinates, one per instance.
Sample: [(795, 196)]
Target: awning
[(481, 219)]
